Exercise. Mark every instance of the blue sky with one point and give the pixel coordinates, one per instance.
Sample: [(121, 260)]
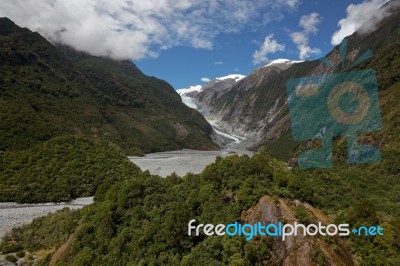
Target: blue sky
[(184, 65), (185, 41)]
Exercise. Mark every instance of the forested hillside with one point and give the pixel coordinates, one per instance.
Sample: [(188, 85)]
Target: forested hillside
[(143, 220), (61, 169), (47, 91)]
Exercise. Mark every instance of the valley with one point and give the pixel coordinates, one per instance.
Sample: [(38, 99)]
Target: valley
[(126, 160), (161, 163)]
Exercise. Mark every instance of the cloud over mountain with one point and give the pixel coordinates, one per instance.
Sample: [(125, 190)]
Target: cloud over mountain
[(363, 17), (136, 29)]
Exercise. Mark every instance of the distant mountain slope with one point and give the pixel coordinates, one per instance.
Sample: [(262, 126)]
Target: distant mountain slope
[(203, 98), (243, 107), (385, 46), (48, 91), (256, 106), (247, 109)]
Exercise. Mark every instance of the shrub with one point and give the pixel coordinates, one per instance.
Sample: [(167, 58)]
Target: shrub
[(303, 216), (11, 249), (11, 258), (21, 254)]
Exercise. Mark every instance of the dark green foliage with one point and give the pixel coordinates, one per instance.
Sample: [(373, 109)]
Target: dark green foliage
[(20, 254), (43, 233), (61, 169), (47, 91), (143, 220), (385, 46), (282, 147), (11, 258), (319, 257), (303, 216), (10, 248), (344, 185)]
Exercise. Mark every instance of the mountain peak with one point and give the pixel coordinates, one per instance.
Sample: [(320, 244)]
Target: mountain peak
[(189, 89), (8, 27), (281, 61), (236, 77), (199, 88)]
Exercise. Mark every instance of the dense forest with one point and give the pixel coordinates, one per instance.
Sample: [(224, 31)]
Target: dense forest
[(143, 219), (61, 169)]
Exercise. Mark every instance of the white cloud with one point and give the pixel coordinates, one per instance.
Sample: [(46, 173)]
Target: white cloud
[(124, 29), (200, 43), (205, 79), (309, 24), (269, 46), (292, 3), (218, 63), (363, 17)]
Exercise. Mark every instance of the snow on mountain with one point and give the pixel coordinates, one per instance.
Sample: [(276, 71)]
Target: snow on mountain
[(189, 102), (189, 89), (281, 61), (199, 88), (236, 77), (191, 97)]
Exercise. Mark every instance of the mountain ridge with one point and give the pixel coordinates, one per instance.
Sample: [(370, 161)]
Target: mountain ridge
[(50, 90), (216, 101), (256, 107)]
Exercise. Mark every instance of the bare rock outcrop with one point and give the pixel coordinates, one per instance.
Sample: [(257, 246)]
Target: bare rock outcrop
[(300, 249)]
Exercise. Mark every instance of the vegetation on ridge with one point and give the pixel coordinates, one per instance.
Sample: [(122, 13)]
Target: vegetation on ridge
[(61, 169), (47, 91), (143, 219)]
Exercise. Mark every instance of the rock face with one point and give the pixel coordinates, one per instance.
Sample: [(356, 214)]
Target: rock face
[(233, 105), (298, 250), (247, 109), (204, 98)]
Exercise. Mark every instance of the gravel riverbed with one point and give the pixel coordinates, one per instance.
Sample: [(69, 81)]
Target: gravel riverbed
[(181, 162), (13, 214)]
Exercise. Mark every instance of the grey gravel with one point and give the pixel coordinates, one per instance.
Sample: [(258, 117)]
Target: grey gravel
[(181, 162), (13, 214)]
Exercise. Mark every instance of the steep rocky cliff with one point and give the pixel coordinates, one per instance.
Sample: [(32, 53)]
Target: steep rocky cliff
[(298, 250)]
